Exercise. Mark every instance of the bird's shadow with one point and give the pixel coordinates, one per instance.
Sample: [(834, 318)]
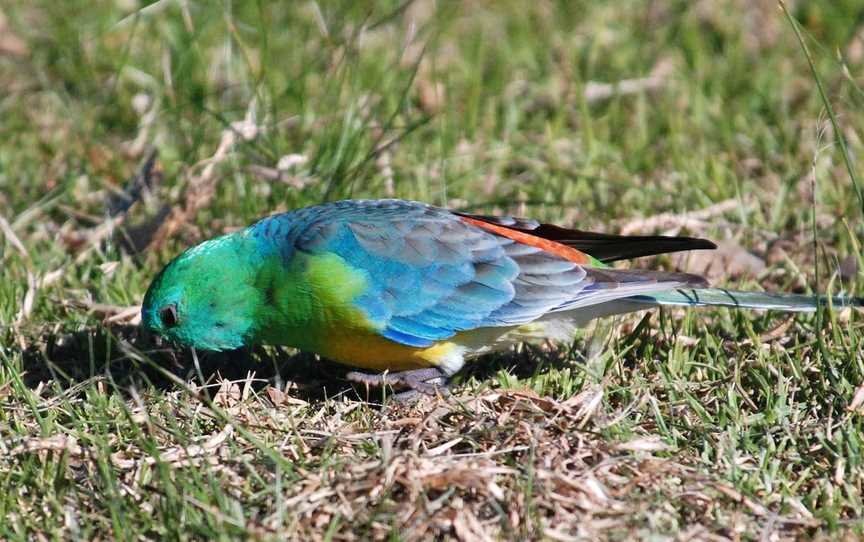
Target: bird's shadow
[(127, 357)]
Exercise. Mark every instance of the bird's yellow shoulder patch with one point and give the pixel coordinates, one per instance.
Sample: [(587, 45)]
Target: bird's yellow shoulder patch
[(332, 281)]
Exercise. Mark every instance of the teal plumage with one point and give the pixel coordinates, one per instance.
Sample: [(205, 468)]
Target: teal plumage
[(392, 285)]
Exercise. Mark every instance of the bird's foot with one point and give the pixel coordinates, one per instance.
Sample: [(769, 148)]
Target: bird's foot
[(429, 381)]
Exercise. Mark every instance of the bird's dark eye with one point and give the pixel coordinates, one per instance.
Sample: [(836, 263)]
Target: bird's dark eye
[(169, 316)]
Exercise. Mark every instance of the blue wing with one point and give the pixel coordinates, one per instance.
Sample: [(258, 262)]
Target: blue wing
[(431, 274)]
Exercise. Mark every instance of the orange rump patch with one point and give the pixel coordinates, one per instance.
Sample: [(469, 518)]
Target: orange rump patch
[(568, 253)]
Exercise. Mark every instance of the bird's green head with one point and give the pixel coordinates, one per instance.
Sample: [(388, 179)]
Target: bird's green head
[(206, 297)]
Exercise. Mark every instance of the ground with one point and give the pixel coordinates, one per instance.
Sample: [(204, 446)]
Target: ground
[(131, 131)]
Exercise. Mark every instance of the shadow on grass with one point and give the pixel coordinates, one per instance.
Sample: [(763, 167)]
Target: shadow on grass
[(125, 356)]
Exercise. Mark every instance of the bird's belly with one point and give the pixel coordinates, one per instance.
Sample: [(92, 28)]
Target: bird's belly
[(360, 348), (369, 351)]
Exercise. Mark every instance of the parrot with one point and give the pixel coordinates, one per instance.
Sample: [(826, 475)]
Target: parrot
[(404, 293)]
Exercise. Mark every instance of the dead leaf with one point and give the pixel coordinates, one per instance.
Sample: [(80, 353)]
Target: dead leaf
[(276, 395), (229, 394), (279, 398)]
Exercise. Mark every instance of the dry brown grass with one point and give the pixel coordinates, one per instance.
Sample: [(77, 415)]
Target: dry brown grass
[(499, 465)]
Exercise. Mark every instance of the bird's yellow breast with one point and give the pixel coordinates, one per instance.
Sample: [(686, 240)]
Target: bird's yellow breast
[(377, 353)]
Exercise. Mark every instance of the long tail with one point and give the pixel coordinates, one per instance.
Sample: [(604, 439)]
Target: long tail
[(719, 297)]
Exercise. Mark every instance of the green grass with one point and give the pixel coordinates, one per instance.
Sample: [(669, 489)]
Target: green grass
[(686, 424)]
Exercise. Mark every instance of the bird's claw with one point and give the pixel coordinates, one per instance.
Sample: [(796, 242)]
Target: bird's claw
[(429, 381)]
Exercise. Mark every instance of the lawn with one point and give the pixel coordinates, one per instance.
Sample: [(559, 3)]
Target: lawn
[(130, 131)]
